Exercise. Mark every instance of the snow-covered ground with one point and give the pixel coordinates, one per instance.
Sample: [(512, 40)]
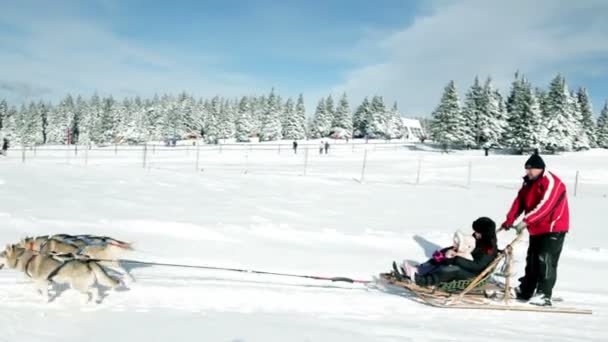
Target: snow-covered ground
[(261, 210)]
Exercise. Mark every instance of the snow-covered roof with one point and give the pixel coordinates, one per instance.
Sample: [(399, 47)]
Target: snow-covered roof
[(415, 123)]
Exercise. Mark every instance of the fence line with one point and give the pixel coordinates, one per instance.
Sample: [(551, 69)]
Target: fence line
[(372, 165)]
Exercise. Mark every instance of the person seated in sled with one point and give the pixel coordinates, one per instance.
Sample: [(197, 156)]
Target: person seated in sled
[(447, 265)]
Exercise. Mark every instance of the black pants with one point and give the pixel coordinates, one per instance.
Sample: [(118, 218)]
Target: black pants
[(541, 264), (443, 274)]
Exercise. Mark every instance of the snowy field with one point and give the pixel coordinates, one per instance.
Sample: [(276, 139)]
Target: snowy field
[(275, 211)]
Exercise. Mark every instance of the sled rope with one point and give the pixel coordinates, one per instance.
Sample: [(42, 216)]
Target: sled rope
[(204, 267)]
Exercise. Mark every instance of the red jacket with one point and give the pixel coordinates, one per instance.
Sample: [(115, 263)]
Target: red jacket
[(544, 203)]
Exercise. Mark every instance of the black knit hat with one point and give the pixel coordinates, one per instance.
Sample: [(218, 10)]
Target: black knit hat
[(535, 162), (486, 227)]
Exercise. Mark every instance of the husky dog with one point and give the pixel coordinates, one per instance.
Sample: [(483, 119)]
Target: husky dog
[(104, 248), (79, 274)]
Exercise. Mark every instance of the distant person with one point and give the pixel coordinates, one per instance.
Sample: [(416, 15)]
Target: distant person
[(326, 146), (4, 146), (295, 147), (321, 147)]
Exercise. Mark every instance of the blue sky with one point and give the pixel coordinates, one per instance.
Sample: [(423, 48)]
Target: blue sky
[(404, 50)]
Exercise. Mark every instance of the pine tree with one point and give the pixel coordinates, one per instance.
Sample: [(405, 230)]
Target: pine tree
[(342, 119), (587, 116), (580, 139), (60, 121), (319, 126), (446, 127), (226, 123), (271, 121), (559, 119), (212, 120), (3, 113), (394, 125), (295, 124), (31, 126), (490, 123), (244, 121), (524, 124), (330, 111), (133, 127), (472, 113), (43, 110), (378, 119), (107, 120), (361, 119), (602, 127), (286, 115)]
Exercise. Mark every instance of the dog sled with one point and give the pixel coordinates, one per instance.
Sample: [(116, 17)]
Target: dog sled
[(482, 292)]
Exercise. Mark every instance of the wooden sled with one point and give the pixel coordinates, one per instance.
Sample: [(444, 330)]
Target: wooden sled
[(473, 294)]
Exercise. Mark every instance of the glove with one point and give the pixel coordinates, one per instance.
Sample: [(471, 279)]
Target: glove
[(520, 227), (506, 226), (438, 256)]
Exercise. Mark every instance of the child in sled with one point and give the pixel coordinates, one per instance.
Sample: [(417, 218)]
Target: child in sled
[(464, 260)]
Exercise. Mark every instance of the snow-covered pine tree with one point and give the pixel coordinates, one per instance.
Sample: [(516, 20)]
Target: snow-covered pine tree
[(287, 113), (446, 125), (558, 116), (244, 121), (378, 118), (43, 110), (294, 129), (108, 120), (226, 123), (490, 120), (602, 127), (524, 129), (60, 120), (92, 120), (31, 130), (587, 116), (361, 119), (394, 125), (271, 121), (79, 108), (134, 126), (472, 113), (342, 119), (330, 110), (3, 112), (319, 126), (503, 116), (212, 120), (580, 140)]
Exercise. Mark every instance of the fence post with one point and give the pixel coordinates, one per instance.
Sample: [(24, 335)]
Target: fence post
[(246, 163), (153, 148), (353, 147), (86, 156), (576, 183), (279, 148), (76, 149), (419, 170), (115, 149), (364, 164), (35, 150), (469, 174), (145, 154), (198, 153), (305, 160), (220, 148), (23, 153), (67, 154)]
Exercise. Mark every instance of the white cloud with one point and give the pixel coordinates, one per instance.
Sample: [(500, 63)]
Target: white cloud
[(57, 49), (459, 40)]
